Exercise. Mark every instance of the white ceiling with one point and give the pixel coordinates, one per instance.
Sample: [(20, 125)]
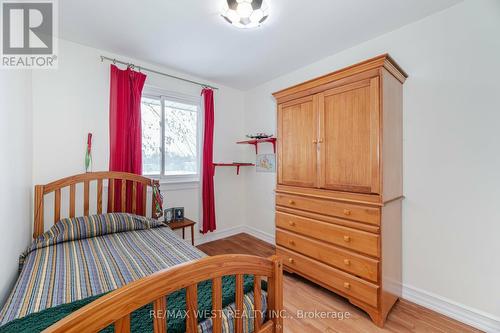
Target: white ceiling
[(191, 37)]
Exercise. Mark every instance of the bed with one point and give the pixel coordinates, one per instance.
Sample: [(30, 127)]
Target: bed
[(122, 271)]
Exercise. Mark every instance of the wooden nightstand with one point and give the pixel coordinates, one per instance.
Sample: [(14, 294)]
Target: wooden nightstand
[(182, 224)]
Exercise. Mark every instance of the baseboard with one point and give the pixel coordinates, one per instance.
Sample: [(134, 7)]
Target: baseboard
[(457, 311), (218, 234), (269, 238)]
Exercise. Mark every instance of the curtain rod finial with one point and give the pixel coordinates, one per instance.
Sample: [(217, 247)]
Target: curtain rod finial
[(102, 58)]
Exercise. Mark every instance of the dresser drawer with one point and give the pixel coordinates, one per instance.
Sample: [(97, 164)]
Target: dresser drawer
[(329, 276), (346, 260), (350, 238), (349, 211)]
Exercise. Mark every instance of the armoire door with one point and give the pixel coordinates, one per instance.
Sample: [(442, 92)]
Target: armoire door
[(349, 137), (297, 142)]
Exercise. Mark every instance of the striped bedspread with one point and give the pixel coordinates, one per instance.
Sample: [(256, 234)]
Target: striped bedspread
[(87, 256)]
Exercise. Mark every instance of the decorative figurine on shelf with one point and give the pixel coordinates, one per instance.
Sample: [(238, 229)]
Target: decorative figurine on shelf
[(88, 154), (169, 215), (178, 213), (259, 136)]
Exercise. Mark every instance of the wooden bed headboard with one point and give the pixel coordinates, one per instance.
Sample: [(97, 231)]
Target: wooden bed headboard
[(114, 179)]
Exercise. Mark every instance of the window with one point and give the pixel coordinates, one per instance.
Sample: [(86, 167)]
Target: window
[(170, 136)]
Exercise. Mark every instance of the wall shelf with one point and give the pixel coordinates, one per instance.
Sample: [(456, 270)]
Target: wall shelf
[(235, 164), (256, 142)]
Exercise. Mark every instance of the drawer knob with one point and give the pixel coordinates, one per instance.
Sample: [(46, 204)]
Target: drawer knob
[(290, 260), (347, 262), (292, 224), (291, 242), (291, 202), (315, 141), (347, 212), (347, 285), (347, 239)]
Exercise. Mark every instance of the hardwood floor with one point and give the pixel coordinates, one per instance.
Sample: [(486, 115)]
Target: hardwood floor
[(238, 244), (302, 296)]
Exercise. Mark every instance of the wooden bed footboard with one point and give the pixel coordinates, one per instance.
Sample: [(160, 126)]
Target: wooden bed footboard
[(117, 306)]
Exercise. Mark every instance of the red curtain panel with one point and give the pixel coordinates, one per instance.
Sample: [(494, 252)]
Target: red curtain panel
[(125, 135), (208, 196)]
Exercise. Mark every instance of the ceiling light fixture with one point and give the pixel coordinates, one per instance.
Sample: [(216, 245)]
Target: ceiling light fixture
[(245, 13)]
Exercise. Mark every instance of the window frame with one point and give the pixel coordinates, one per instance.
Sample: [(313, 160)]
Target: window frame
[(165, 95)]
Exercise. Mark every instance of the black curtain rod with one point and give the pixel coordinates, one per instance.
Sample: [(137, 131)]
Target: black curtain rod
[(115, 61)]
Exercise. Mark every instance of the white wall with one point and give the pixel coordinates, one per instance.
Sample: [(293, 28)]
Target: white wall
[(74, 99), (15, 172), (451, 157), (450, 133)]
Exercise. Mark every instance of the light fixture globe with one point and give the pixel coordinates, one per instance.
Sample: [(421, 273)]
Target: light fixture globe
[(245, 13)]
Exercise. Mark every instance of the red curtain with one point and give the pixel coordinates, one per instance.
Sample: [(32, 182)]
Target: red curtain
[(208, 166), (125, 133)]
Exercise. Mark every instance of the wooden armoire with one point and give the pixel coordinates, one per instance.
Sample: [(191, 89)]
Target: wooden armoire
[(340, 182)]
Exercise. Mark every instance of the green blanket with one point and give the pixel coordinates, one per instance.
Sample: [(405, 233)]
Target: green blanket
[(141, 320)]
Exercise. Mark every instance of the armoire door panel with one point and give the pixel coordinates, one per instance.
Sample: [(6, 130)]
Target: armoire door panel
[(349, 134), (297, 142)]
